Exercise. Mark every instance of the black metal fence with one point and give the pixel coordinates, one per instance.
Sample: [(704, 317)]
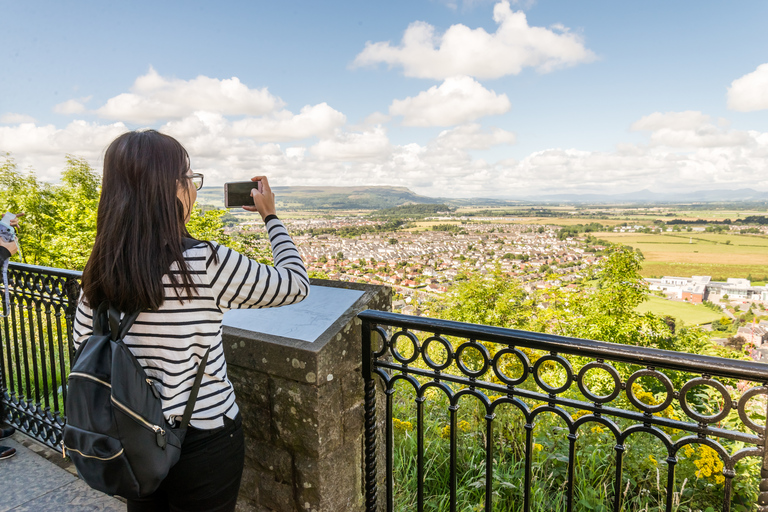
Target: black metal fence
[(35, 348), (510, 372)]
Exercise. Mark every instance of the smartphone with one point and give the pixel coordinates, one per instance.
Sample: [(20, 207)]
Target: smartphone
[(238, 193)]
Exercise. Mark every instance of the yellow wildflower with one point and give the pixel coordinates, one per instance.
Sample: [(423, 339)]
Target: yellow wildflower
[(403, 426), (578, 414), (709, 464), (463, 426), (643, 396)]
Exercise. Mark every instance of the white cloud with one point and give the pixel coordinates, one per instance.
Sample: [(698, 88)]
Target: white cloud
[(682, 151), (12, 118), (44, 147), (464, 51), (441, 167), (155, 98), (687, 120), (689, 129), (376, 118), (314, 120), (457, 100), (469, 4), (472, 136), (750, 92), (71, 106), (346, 147)]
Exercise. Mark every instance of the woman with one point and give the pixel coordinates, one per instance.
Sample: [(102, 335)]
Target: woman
[(139, 263)]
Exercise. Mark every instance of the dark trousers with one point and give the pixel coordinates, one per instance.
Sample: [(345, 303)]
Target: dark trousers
[(207, 476)]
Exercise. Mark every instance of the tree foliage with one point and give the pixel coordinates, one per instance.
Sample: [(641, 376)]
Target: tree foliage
[(602, 308), (60, 222), (59, 227)]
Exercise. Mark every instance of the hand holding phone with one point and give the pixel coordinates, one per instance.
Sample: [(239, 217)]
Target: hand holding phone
[(237, 194), (254, 196)]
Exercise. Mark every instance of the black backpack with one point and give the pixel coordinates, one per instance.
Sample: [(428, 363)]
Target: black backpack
[(116, 433)]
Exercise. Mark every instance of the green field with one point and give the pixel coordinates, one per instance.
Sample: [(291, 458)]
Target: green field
[(690, 314), (686, 254)]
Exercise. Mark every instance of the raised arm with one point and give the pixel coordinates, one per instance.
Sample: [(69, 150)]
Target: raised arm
[(238, 282)]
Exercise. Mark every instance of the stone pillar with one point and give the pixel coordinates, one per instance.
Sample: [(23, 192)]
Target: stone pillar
[(297, 376)]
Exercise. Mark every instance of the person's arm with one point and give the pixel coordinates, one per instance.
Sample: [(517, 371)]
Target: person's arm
[(82, 327), (238, 282), (7, 249)]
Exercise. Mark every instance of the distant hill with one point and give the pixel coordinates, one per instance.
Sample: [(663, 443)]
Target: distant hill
[(347, 198), (331, 198), (380, 198)]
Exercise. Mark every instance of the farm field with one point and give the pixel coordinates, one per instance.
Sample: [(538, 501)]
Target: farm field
[(568, 221), (715, 214), (686, 254), (690, 314)]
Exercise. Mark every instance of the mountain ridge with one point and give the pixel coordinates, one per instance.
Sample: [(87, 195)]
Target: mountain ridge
[(380, 197)]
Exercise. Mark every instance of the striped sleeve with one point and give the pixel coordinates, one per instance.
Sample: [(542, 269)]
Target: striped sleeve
[(238, 282), (83, 325)]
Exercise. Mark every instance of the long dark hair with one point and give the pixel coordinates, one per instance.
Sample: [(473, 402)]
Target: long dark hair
[(140, 224)]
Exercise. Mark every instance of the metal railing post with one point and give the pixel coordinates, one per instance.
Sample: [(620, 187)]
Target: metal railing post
[(370, 421)]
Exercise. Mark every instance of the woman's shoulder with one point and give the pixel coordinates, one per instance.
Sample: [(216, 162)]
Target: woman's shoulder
[(207, 251), (193, 247)]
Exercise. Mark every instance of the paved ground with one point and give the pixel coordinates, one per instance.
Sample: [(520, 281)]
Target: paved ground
[(37, 479)]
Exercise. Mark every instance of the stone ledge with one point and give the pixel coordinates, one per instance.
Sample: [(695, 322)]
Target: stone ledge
[(302, 411)]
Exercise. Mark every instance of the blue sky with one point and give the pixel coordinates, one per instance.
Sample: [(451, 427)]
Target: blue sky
[(446, 97)]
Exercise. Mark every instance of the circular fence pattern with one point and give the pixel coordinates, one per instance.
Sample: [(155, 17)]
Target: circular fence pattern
[(642, 405), (701, 418), (449, 356), (524, 362), (598, 399), (396, 353), (462, 365), (562, 362), (760, 430)]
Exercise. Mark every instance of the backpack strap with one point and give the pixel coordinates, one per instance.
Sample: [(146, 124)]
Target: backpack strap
[(100, 322), (193, 394), (117, 327), (188, 243)]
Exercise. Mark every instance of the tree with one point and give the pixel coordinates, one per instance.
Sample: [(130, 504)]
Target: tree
[(77, 203), (608, 313), (492, 300), (60, 222), (602, 311)]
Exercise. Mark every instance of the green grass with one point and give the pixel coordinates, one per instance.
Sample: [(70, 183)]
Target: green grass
[(690, 314), (686, 254), (718, 271)]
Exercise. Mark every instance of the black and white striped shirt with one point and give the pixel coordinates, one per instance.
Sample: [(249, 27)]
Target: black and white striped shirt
[(170, 342)]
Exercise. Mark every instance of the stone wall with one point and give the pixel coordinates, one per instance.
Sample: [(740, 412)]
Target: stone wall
[(302, 408)]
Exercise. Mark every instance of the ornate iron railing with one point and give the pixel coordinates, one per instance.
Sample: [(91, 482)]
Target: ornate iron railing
[(463, 360), (35, 348)]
